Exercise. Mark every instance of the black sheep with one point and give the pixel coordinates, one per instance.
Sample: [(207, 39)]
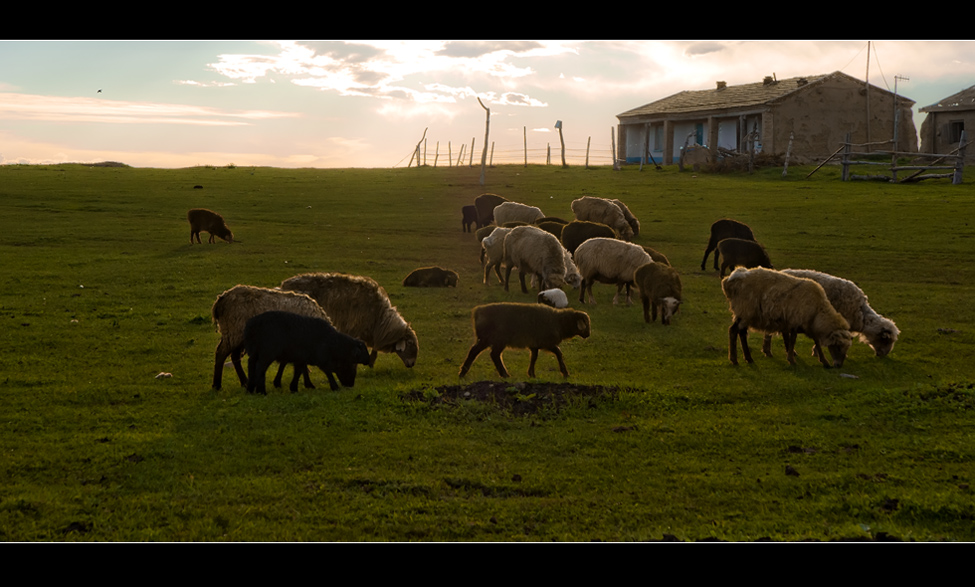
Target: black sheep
[(469, 217), (289, 338), (739, 252), (722, 229)]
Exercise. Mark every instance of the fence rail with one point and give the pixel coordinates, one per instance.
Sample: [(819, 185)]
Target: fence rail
[(956, 157)]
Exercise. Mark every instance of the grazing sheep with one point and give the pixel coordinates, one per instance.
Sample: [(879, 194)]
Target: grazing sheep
[(659, 286), (603, 211), (531, 326), (469, 217), (359, 307), (736, 252), (579, 231), (431, 277), (572, 276), (657, 256), (771, 301), (722, 229), (507, 212), (609, 260), (234, 307), (553, 297), (492, 252), (485, 205), (480, 235), (552, 227), (203, 220), (551, 219), (850, 301), (290, 338), (534, 251), (630, 218)]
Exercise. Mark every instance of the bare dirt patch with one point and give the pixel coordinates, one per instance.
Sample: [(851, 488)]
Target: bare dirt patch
[(518, 397)]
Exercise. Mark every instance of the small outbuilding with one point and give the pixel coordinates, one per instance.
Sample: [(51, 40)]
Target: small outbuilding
[(945, 121), (817, 112)]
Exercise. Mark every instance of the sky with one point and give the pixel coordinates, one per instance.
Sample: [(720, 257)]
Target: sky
[(362, 103)]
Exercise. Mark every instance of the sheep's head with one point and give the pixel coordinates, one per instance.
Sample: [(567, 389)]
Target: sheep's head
[(838, 344), (407, 348), (669, 307), (882, 342)]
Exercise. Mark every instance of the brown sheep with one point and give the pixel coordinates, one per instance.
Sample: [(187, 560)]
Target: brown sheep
[(579, 231), (657, 256), (736, 252), (469, 217), (773, 302), (531, 326), (203, 220), (431, 277), (722, 229), (485, 204), (659, 286), (360, 307)]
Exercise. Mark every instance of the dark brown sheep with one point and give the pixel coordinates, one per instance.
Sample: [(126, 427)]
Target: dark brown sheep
[(469, 214), (203, 220), (485, 205), (579, 231), (736, 252), (722, 229), (660, 287), (431, 277)]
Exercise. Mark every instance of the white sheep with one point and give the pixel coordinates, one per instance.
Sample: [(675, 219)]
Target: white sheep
[(553, 297), (492, 252), (659, 286), (774, 302), (609, 260), (516, 212), (534, 252), (602, 211), (850, 301)]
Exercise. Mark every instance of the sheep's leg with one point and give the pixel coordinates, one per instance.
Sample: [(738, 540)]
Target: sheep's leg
[(257, 370), (372, 358), (235, 358), (558, 355), (582, 291), (507, 277), (531, 364), (629, 294), (654, 314), (476, 349), (498, 363), (789, 337), (711, 247), (220, 357), (646, 310), (521, 278), (332, 384), (819, 354), (767, 345), (733, 343), (277, 377)]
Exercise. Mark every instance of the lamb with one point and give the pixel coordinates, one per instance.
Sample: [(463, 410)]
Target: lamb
[(431, 277), (516, 212), (609, 261), (771, 301), (848, 299), (553, 297), (203, 220), (359, 307), (485, 205), (630, 218), (469, 217), (659, 286), (534, 251), (722, 229), (492, 252), (290, 338), (234, 307), (579, 231), (738, 252), (603, 211), (531, 326)]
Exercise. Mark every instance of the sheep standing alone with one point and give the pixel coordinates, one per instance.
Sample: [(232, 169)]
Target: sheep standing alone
[(531, 326), (289, 338), (850, 301), (579, 231), (492, 252), (234, 307), (722, 229), (659, 286), (359, 307), (516, 212), (774, 302), (603, 211), (485, 205), (736, 252), (203, 220), (608, 260), (431, 277), (534, 252), (469, 217)]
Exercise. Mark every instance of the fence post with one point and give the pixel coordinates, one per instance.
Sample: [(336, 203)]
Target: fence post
[(960, 160), (846, 159)]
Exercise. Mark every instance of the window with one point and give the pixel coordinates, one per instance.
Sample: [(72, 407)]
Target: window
[(955, 128)]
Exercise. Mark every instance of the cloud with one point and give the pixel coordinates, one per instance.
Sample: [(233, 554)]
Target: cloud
[(472, 49)]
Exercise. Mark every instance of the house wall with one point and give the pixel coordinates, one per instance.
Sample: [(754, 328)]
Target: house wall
[(936, 133)]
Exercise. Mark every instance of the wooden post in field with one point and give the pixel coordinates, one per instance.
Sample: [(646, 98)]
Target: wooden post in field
[(471, 158), (487, 126), (588, 142), (416, 151), (612, 139), (960, 159), (558, 125), (548, 154), (436, 155), (491, 162), (788, 151), (450, 155), (524, 131)]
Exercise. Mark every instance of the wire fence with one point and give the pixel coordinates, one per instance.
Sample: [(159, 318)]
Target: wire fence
[(439, 154)]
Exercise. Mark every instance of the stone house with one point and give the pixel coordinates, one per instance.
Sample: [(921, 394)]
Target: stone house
[(818, 111), (942, 127)]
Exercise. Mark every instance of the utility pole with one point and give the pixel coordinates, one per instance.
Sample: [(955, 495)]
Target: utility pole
[(896, 109)]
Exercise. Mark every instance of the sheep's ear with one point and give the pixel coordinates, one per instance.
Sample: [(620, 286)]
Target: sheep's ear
[(582, 324), (400, 346)]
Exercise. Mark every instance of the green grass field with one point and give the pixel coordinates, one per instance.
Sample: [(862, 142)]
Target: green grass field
[(101, 291)]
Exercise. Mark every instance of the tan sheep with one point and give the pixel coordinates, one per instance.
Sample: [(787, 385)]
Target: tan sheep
[(359, 307), (492, 252), (507, 212), (234, 307), (534, 252), (603, 211), (608, 260), (659, 286), (774, 302), (203, 220), (531, 326), (630, 218)]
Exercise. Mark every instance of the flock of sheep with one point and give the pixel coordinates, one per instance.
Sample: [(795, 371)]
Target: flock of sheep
[(331, 320)]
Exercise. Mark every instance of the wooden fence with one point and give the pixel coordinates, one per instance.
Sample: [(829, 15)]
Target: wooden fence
[(956, 159)]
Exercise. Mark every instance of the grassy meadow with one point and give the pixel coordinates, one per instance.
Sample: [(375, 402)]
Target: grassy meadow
[(101, 290)]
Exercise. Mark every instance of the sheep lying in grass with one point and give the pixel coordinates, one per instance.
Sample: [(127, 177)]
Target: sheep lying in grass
[(736, 252), (234, 307), (553, 297), (531, 326), (579, 231), (850, 301), (609, 260), (507, 212), (289, 338), (485, 205), (774, 302), (722, 229), (359, 307), (203, 220), (603, 211), (431, 277), (659, 286), (534, 252), (492, 252)]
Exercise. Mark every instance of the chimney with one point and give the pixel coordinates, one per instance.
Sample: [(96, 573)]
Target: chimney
[(769, 80), (722, 85), (802, 81)]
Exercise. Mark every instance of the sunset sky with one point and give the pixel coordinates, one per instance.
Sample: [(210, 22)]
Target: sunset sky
[(366, 103)]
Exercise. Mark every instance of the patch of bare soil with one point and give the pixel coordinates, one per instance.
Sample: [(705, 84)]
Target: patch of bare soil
[(518, 397)]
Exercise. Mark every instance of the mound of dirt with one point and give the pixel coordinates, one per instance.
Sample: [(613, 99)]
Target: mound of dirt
[(519, 397)]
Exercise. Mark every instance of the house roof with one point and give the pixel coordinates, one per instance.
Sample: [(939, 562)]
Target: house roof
[(963, 100), (732, 97)]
